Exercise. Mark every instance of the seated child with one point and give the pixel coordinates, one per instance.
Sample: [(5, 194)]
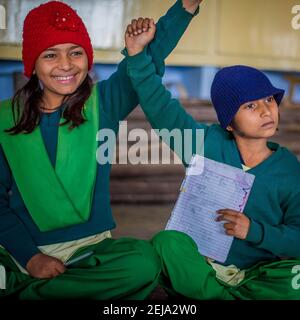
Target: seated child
[(54, 196), (264, 252)]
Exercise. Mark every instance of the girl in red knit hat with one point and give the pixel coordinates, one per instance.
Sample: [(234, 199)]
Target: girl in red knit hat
[(55, 214)]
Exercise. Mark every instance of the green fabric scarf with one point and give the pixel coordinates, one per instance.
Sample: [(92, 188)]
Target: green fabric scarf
[(61, 196)]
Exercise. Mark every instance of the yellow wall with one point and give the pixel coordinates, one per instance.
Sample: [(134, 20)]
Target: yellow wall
[(256, 32)]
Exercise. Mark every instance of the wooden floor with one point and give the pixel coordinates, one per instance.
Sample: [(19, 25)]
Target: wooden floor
[(140, 221)]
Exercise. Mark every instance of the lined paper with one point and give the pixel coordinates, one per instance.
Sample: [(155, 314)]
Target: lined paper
[(209, 186)]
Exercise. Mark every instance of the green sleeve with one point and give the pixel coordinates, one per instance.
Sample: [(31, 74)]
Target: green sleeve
[(282, 240), (161, 110), (117, 95)]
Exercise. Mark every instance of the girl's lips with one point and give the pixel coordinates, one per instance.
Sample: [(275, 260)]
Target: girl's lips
[(65, 79), (269, 124)]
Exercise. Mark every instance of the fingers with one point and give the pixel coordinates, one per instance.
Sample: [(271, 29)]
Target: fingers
[(54, 270), (237, 224), (145, 24), (228, 226), (138, 26), (60, 267), (225, 217), (129, 30), (228, 215), (133, 25), (47, 274), (228, 211), (230, 232)]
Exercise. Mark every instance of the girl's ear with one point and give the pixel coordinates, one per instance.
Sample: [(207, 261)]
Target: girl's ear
[(33, 72)]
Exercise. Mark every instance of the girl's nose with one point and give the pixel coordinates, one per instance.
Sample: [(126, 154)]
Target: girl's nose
[(265, 109), (65, 63)]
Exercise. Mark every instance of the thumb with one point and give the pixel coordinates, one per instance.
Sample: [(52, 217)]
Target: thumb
[(152, 24), (152, 27)]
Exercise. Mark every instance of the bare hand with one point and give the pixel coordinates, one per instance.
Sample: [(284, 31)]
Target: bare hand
[(238, 224), (191, 5), (138, 34), (43, 267)]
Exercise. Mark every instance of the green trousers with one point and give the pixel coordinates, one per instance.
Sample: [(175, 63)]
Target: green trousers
[(119, 269), (185, 272)]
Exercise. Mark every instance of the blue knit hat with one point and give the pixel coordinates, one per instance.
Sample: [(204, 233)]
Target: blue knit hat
[(236, 85)]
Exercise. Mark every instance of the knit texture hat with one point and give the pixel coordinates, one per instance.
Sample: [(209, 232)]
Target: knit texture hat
[(50, 24), (236, 85)]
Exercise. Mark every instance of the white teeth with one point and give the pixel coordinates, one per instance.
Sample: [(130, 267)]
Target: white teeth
[(64, 78)]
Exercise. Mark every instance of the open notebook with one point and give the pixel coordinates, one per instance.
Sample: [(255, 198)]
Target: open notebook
[(209, 186)]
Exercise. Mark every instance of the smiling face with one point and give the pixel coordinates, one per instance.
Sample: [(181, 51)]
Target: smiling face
[(256, 119), (61, 69)]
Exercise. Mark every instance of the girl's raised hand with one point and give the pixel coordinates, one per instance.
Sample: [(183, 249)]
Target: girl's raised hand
[(138, 34)]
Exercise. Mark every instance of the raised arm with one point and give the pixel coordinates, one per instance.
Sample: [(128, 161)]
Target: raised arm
[(161, 110), (117, 95)]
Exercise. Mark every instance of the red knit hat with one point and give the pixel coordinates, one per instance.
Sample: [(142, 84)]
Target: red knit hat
[(50, 24)]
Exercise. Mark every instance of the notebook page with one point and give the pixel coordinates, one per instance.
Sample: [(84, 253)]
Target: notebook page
[(208, 187)]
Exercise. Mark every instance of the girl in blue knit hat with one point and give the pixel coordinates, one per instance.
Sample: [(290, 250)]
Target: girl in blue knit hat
[(262, 262)]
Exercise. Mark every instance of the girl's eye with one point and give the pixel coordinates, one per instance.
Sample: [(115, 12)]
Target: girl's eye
[(250, 106), (270, 99), (49, 56), (76, 53)]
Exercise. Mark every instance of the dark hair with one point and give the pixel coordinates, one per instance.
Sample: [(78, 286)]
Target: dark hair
[(26, 101)]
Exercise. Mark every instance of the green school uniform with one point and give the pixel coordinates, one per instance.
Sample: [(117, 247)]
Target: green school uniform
[(118, 269), (273, 206)]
